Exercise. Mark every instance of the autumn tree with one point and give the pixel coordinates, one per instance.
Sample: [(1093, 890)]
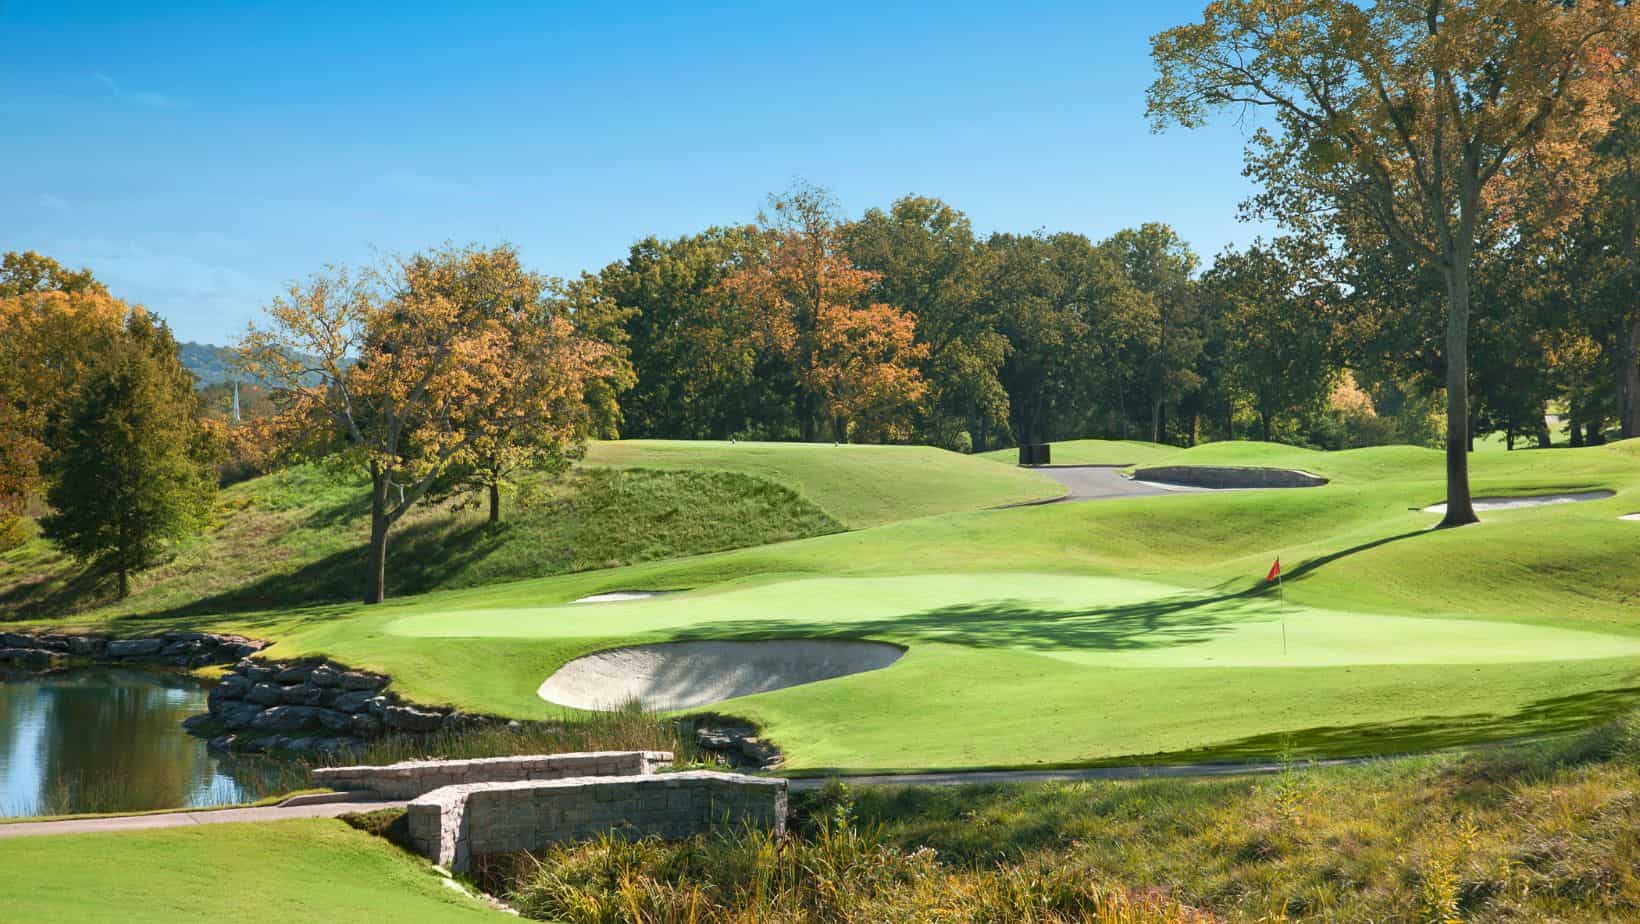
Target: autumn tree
[(132, 470), (930, 264), (807, 304), (421, 368), (1416, 116), (1277, 330)]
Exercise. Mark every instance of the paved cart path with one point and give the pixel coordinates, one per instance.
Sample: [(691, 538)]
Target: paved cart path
[(304, 807), (1098, 482)]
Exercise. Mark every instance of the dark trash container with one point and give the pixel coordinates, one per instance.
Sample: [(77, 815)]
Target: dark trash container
[(1033, 454)]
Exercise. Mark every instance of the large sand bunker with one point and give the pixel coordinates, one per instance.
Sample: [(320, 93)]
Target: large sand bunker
[(620, 596), (1516, 503), (1228, 477), (684, 675), (1634, 517)]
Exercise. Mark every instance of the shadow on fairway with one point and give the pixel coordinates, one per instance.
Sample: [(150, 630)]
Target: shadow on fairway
[(1166, 622)]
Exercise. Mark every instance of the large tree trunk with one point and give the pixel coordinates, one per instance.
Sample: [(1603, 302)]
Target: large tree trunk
[(1628, 382), (1158, 423), (125, 581), (376, 576), (1460, 510), (495, 502), (1264, 421)]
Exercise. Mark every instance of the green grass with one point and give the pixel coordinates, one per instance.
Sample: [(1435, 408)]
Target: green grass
[(1092, 452), (858, 485), (1108, 631), (305, 870), (297, 537)]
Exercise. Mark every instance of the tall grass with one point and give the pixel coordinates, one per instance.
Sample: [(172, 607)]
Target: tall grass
[(629, 729), (840, 872)]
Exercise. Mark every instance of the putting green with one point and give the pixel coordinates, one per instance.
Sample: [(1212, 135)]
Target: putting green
[(1011, 669)]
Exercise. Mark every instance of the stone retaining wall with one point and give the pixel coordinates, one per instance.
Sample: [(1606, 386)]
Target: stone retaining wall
[(456, 825), (412, 778), (174, 649), (1228, 476)]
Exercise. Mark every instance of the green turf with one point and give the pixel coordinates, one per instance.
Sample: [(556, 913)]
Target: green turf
[(1123, 629), (859, 485), (1092, 452), (306, 870)]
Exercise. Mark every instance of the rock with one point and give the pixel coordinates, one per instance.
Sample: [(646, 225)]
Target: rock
[(334, 721), (14, 640), (54, 643), (365, 725), (411, 719), (134, 647), (301, 695), (178, 635), (266, 694), (34, 656), (295, 673), (87, 646), (376, 705), (259, 673), (246, 649), (286, 719), (325, 676), (759, 752), (203, 723), (359, 680), (353, 701), (238, 714)]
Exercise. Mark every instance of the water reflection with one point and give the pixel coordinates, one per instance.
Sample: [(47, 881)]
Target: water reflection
[(111, 739)]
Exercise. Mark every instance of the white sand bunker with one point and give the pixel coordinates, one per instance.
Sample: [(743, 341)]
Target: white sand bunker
[(617, 596), (684, 675), (1515, 503), (1634, 517)]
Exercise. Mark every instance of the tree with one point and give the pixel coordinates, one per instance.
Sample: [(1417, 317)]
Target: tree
[(1412, 115), (1159, 264), (422, 369), (807, 304), (1277, 330), (133, 467), (30, 272), (930, 264)]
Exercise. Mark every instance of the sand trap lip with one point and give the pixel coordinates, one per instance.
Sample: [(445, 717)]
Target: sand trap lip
[(1535, 500), (619, 596), (686, 675), (1634, 517)]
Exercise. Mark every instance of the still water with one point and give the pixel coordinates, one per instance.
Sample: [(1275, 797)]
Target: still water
[(111, 739)]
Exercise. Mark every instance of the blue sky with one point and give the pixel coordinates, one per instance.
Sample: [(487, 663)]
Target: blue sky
[(198, 156)]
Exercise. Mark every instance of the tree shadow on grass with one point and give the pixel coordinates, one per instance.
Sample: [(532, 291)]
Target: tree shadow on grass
[(1165, 622)]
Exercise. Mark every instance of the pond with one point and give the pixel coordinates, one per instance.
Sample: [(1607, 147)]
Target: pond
[(111, 740)]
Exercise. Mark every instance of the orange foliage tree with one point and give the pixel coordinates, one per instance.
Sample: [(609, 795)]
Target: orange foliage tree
[(437, 365), (851, 363)]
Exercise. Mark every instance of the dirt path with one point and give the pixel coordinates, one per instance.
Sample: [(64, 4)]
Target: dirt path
[(292, 809)]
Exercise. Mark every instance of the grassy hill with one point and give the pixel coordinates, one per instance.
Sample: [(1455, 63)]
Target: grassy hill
[(858, 485)]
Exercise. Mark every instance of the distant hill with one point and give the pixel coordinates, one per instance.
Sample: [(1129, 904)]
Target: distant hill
[(211, 364)]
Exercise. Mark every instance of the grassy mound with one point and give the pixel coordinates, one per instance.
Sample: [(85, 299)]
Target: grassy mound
[(1093, 452), (858, 485), (297, 537)]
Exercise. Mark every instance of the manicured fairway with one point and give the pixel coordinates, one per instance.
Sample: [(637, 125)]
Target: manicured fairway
[(311, 870), (858, 485), (1105, 631)]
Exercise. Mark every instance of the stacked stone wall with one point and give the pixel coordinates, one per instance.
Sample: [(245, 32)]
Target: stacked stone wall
[(412, 778), (457, 825)]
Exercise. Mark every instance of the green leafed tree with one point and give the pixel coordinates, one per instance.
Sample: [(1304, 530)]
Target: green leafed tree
[(133, 470), (1428, 118)]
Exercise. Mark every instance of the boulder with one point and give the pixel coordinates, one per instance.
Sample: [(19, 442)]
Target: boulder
[(287, 719), (238, 714), (33, 656), (359, 680), (295, 673), (411, 719), (54, 643), (14, 640), (87, 646), (259, 673), (134, 647), (334, 721), (325, 676), (353, 701), (365, 725), (266, 694), (301, 695)]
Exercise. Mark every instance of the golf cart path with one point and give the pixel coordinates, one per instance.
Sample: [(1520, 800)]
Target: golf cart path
[(1098, 482), (300, 808)]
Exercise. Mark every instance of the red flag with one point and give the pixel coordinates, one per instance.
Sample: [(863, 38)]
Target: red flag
[(1275, 571)]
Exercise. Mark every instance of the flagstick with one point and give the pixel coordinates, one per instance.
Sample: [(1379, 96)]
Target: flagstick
[(1281, 591)]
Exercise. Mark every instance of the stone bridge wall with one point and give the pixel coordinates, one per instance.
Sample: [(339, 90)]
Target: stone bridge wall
[(412, 778), (456, 825)]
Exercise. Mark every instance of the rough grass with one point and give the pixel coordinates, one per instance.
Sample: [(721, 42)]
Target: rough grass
[(1549, 831), (303, 870), (297, 537)]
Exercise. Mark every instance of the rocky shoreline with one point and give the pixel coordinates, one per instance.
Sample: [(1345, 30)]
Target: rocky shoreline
[(309, 705)]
